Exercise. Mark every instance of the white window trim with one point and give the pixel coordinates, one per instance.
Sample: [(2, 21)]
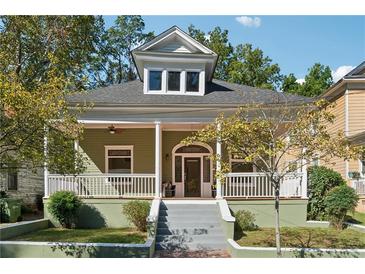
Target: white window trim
[(233, 160), (164, 79), (192, 155), (118, 147)]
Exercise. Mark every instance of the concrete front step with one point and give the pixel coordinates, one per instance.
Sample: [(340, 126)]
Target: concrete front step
[(195, 213), (187, 218), (191, 246), (191, 231), (187, 238), (188, 224)]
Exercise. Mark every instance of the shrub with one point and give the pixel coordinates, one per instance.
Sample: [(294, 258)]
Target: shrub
[(321, 181), (63, 206), (246, 220), (338, 202), (137, 213)]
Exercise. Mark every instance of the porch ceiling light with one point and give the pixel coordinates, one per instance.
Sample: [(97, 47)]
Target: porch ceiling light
[(112, 129)]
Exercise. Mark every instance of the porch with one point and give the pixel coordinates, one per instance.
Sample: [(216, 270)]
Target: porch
[(147, 160)]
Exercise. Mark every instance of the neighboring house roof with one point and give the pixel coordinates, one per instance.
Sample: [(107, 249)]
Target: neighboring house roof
[(357, 75), (358, 139), (218, 93)]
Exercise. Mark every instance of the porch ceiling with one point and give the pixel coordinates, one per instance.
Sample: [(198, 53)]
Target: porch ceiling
[(164, 126)]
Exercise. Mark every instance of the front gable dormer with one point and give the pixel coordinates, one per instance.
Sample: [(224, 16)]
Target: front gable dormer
[(173, 63)]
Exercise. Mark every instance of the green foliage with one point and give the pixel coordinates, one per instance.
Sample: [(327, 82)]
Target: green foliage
[(246, 220), (31, 45), (137, 213), (216, 40), (113, 62), (318, 79), (64, 206), (338, 202), (251, 67), (320, 181)]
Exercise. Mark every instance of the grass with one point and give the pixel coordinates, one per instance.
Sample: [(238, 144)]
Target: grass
[(356, 218), (101, 235), (305, 237)]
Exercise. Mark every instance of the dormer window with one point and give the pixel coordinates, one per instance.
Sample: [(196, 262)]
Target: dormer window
[(173, 81), (155, 80), (192, 81)]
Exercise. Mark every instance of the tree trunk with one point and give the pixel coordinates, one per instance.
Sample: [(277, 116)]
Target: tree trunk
[(277, 220)]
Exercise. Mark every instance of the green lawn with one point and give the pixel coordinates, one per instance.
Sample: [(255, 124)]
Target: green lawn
[(102, 235), (356, 218), (305, 237)]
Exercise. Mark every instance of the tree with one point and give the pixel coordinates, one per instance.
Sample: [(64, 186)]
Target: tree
[(27, 115), (113, 63), (290, 84), (217, 41), (250, 67), (318, 79), (27, 44), (264, 135)]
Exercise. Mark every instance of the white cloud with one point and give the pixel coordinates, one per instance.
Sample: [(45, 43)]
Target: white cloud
[(340, 72), (249, 21), (300, 81)]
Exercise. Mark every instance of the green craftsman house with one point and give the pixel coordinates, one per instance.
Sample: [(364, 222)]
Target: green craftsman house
[(132, 140)]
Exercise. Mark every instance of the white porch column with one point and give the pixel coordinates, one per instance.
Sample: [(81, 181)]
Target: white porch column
[(45, 172), (218, 166), (158, 162), (304, 179), (76, 148)]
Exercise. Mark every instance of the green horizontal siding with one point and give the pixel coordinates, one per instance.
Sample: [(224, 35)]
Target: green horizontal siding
[(143, 141)]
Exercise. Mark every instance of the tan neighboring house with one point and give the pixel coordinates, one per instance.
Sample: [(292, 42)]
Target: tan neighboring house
[(348, 94)]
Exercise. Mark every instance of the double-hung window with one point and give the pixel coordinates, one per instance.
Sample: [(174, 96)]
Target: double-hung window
[(119, 159), (12, 179)]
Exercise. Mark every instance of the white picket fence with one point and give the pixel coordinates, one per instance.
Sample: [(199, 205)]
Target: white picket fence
[(104, 185), (249, 185)]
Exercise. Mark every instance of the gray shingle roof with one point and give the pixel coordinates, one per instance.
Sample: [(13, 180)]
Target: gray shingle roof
[(217, 93)]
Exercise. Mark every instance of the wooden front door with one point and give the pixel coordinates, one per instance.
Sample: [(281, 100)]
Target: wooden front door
[(192, 176)]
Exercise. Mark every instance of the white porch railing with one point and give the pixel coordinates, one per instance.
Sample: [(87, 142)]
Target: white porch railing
[(104, 185), (249, 185), (359, 186)]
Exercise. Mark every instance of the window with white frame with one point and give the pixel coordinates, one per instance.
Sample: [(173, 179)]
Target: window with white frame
[(362, 165), (174, 81), (239, 165), (119, 159)]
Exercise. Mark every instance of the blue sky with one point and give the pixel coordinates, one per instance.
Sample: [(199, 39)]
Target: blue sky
[(294, 42)]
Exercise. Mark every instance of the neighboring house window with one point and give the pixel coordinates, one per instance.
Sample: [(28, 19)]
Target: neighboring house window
[(155, 80), (192, 81), (119, 159), (12, 179), (178, 169), (239, 165), (173, 81)]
